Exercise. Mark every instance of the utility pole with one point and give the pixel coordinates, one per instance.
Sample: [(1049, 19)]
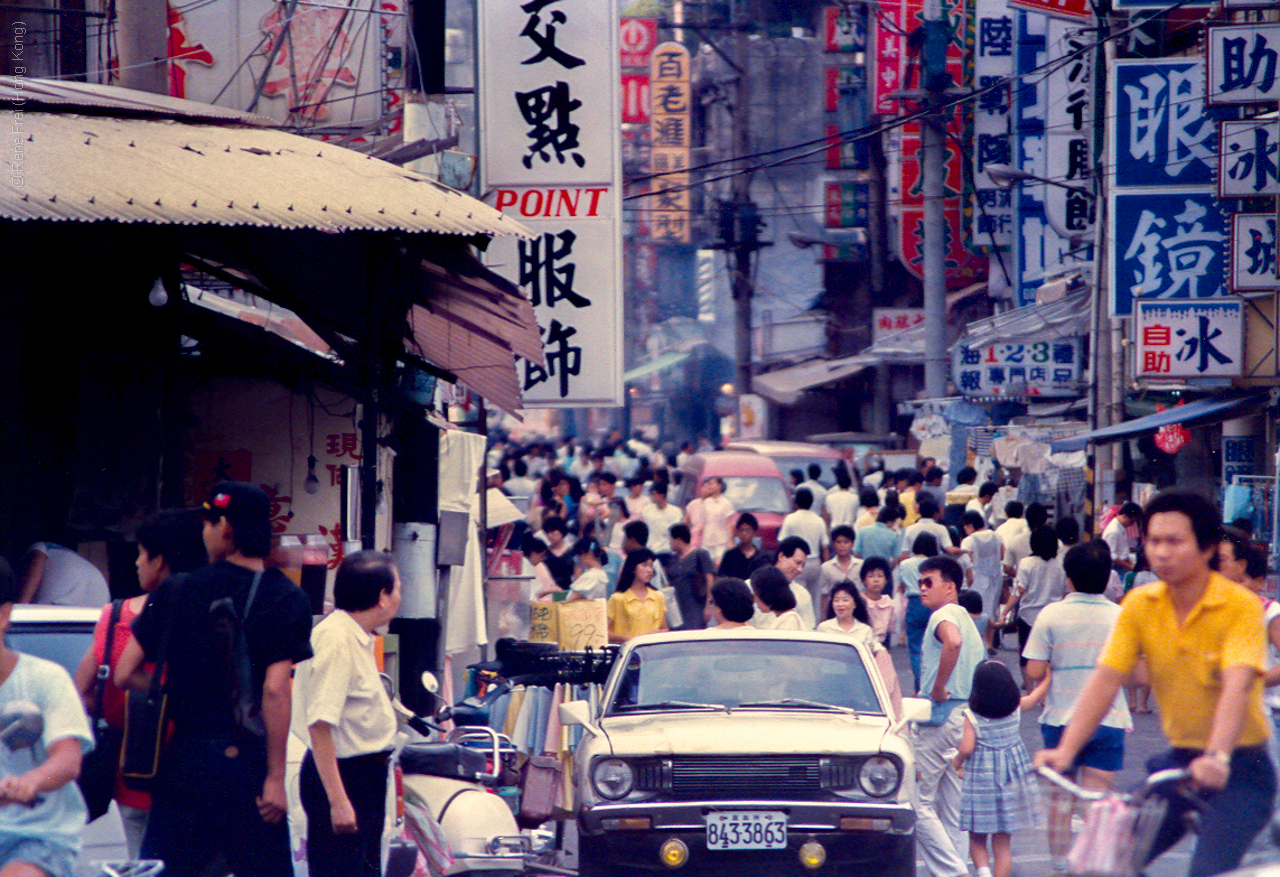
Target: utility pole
[(745, 12), (143, 34), (933, 167)]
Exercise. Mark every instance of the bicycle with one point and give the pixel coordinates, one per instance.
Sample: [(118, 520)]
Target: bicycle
[(1120, 829)]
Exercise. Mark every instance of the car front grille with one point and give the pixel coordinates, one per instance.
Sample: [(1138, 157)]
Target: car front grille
[(726, 777)]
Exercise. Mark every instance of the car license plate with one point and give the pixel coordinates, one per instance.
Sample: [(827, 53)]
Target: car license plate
[(747, 830)]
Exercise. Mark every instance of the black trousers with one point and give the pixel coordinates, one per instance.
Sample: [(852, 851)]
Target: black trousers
[(346, 855)]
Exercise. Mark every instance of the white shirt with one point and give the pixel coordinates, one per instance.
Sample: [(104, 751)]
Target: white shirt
[(841, 506), (806, 524), (593, 584), (1117, 540), (1042, 582), (709, 520), (1012, 529), (660, 522), (926, 525), (789, 620), (819, 492), (804, 609), (341, 686)]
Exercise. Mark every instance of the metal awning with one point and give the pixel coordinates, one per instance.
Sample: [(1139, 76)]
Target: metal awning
[(660, 363), (87, 168), (785, 385), (1064, 318), (1197, 413)]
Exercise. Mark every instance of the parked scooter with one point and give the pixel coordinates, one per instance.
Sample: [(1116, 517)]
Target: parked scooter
[(449, 782)]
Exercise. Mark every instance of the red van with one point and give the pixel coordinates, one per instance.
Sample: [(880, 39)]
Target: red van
[(752, 482)]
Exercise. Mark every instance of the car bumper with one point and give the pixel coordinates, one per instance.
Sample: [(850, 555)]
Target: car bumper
[(632, 835)]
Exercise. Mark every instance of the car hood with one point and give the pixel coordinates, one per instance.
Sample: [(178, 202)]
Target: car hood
[(749, 732)]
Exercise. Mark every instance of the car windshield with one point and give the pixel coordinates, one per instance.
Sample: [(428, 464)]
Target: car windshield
[(760, 493), (64, 644), (723, 672), (789, 464)]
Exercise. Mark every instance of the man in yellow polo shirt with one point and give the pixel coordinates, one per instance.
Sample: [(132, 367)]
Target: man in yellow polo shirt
[(1204, 643)]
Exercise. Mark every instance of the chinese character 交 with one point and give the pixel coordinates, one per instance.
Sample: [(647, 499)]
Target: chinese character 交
[(545, 39)]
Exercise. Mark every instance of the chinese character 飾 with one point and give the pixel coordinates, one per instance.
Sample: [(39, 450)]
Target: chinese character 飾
[(547, 111), (540, 271), (563, 359), (545, 39)]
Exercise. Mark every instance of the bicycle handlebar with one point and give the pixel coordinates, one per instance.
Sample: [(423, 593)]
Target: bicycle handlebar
[(1173, 774)]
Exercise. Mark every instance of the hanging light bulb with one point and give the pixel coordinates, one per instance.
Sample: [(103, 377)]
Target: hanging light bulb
[(312, 483), (158, 296)]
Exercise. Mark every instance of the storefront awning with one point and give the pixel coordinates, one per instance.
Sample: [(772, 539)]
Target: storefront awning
[(785, 385), (1064, 318), (660, 363), (1195, 413)]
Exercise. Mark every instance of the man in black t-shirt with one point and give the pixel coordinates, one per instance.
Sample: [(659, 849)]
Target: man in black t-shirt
[(221, 785)]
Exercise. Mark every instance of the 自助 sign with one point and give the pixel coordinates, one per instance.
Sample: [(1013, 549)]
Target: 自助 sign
[(1190, 339)]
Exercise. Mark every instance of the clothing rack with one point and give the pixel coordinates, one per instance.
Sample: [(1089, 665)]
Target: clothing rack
[(544, 665)]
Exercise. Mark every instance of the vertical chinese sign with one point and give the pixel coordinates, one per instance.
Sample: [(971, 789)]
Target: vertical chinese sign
[(549, 82), (991, 225), (670, 139)]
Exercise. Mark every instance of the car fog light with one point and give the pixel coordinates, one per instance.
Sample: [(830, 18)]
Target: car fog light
[(674, 853), (812, 855)]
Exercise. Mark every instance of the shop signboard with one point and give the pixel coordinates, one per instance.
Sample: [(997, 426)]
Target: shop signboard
[(1169, 244), (1041, 369), (636, 39), (1069, 127), (1071, 10), (1242, 63), (1247, 161), (549, 84), (890, 321), (671, 139), (1253, 252), (1190, 339), (844, 28), (992, 206), (1164, 135)]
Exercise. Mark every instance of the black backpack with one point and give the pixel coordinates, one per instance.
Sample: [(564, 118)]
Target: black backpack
[(231, 646)]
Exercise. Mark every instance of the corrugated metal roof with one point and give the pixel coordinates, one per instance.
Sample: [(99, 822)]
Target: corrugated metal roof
[(33, 94), (100, 168)]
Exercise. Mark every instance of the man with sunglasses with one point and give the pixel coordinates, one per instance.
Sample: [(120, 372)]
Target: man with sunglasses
[(952, 649)]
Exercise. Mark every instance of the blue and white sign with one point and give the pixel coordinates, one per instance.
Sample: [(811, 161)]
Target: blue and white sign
[(1243, 63), (1041, 243), (1203, 339), (1247, 164), (1253, 252), (993, 224), (1038, 370), (1169, 244), (1164, 136)]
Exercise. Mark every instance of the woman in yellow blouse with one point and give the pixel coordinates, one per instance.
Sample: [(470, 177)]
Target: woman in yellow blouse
[(635, 608)]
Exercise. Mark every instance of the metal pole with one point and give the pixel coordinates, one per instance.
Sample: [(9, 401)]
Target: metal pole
[(741, 256), (933, 155), (143, 34)]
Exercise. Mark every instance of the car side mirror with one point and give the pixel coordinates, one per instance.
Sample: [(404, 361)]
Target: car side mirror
[(916, 709), (578, 712)]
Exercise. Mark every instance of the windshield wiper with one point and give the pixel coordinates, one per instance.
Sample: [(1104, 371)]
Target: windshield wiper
[(799, 701), (670, 705)]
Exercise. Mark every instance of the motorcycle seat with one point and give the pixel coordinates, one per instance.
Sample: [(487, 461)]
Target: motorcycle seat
[(449, 760)]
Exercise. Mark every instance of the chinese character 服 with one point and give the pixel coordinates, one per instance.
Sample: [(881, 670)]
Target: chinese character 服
[(545, 38), (1201, 346), (563, 359), (547, 111), (541, 273), (1260, 72)]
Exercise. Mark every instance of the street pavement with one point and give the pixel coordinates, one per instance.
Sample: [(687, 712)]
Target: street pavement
[(1030, 847)]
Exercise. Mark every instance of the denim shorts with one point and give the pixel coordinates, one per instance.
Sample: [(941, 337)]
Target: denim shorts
[(1103, 751), (52, 858)]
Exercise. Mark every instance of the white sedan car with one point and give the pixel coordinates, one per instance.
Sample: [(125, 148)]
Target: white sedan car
[(748, 751)]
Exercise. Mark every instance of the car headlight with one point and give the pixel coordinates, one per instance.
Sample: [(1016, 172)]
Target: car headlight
[(879, 776), (612, 778)]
